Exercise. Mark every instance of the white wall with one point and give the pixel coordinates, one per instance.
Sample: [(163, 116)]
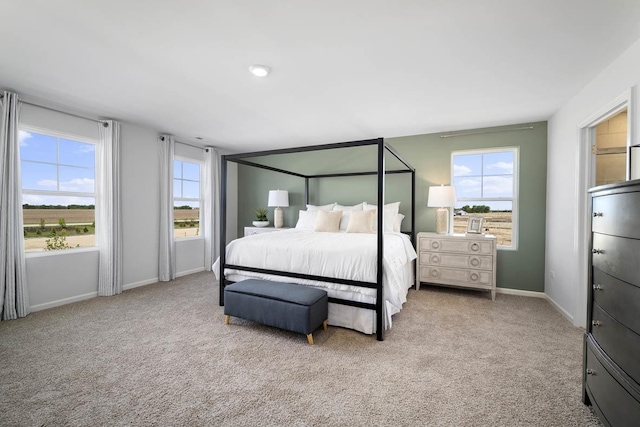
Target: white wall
[(563, 253), (72, 275)]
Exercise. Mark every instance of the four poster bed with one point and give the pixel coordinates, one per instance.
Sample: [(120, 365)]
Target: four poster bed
[(367, 276)]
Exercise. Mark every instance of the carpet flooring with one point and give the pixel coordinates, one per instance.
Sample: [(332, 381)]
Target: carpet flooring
[(161, 355)]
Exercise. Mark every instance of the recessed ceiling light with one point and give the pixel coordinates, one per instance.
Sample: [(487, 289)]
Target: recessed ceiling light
[(259, 70)]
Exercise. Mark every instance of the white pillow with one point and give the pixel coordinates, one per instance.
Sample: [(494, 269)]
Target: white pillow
[(346, 211), (397, 225), (328, 221), (306, 220), (322, 207), (390, 214), (361, 221)]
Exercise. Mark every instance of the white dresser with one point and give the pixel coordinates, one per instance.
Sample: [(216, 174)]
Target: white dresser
[(248, 231), (460, 260)]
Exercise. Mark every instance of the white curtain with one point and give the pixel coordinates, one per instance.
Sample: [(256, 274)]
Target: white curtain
[(211, 226), (167, 253), (14, 297), (108, 210)]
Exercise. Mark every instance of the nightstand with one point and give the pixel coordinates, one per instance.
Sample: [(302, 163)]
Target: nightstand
[(249, 231), (460, 260)]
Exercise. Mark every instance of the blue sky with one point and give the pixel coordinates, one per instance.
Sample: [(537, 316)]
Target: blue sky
[(39, 156), (484, 175)]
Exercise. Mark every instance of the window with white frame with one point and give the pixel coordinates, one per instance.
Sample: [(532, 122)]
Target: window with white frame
[(486, 183), (186, 198), (58, 190)]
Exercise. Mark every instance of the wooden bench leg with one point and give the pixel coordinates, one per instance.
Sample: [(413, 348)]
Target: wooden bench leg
[(324, 325), (226, 319), (310, 338)]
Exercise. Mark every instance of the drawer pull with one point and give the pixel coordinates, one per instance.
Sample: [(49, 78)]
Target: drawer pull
[(435, 259), (475, 247), (596, 323), (435, 245), (597, 287), (474, 276), (597, 251), (591, 372), (597, 214), (475, 262), (435, 273)]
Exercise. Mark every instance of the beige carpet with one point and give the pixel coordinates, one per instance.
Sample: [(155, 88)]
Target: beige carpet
[(161, 355)]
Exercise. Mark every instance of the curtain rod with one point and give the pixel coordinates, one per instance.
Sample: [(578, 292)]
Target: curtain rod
[(452, 135), (60, 111), (191, 145)]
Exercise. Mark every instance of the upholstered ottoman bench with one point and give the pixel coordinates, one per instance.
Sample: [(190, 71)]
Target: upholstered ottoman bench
[(296, 308)]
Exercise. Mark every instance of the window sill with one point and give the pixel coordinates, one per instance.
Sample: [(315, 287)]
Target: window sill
[(187, 239), (60, 252)]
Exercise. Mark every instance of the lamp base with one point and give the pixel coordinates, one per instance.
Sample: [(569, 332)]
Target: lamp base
[(278, 218), (442, 221)]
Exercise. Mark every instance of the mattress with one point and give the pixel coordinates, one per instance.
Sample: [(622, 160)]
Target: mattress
[(339, 255)]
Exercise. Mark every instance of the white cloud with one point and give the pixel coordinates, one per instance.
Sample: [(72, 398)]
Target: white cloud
[(22, 138), (468, 183), (82, 185), (498, 186), (503, 167), (459, 170)]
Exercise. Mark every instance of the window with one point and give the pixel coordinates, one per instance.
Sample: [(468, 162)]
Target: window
[(186, 198), (486, 183), (58, 191)]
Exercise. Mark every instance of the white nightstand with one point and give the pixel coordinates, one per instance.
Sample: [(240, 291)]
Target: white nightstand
[(249, 231), (461, 260)]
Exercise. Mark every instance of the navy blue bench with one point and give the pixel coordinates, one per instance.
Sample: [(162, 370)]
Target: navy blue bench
[(296, 308)]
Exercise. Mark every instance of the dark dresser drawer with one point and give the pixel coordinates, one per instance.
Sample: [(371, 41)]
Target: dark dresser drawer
[(617, 256), (617, 214), (619, 342), (613, 401), (620, 299)]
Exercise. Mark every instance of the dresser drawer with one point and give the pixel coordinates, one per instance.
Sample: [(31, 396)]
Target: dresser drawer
[(613, 401), (457, 245), (448, 276), (617, 214), (617, 256), (620, 299), (444, 259), (619, 342)]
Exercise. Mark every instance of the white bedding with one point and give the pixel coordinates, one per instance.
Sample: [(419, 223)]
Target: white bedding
[(341, 255)]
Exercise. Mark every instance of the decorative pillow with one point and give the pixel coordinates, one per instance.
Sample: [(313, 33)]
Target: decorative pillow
[(306, 220), (328, 221), (346, 211), (361, 221), (322, 207), (397, 225), (390, 214)]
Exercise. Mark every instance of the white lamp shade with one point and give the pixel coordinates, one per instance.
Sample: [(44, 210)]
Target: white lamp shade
[(278, 198), (442, 196)]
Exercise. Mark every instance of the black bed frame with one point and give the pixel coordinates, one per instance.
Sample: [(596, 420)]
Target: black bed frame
[(380, 172)]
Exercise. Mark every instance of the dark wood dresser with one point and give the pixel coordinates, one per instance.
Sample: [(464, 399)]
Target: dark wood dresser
[(611, 376)]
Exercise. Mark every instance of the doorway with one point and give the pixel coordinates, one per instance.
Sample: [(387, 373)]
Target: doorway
[(610, 149)]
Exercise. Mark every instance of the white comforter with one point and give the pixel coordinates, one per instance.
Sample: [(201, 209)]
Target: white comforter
[(342, 255)]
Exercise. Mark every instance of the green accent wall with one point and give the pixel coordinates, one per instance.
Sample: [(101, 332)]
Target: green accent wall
[(430, 155)]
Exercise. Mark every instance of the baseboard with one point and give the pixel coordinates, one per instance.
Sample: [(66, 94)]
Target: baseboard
[(520, 293), (140, 283), (560, 309), (63, 301), (186, 273)]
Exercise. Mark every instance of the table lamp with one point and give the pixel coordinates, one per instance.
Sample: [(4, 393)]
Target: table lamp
[(442, 197), (278, 199)]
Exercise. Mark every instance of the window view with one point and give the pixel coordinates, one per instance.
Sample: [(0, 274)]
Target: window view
[(58, 192), (486, 186), (186, 199)]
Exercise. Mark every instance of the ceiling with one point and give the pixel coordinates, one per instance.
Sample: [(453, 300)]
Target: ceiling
[(342, 70)]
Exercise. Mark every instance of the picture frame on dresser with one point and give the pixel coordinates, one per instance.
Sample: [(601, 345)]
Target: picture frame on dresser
[(474, 225)]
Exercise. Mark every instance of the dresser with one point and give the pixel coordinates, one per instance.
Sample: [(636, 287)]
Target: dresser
[(248, 231), (461, 260), (611, 376)]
